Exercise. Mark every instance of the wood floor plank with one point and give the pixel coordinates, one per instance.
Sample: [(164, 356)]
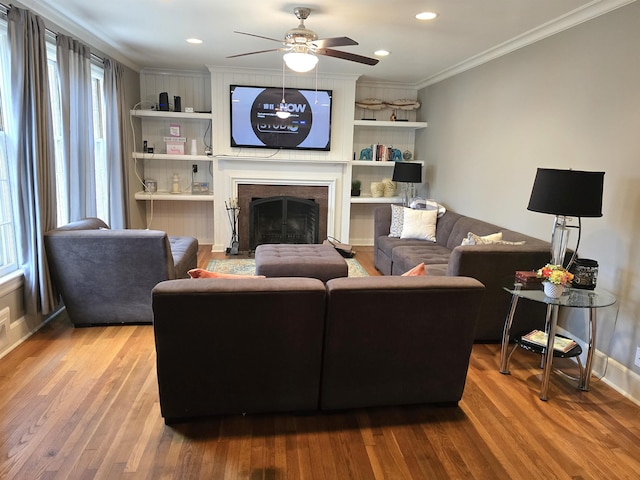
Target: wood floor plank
[(83, 404)]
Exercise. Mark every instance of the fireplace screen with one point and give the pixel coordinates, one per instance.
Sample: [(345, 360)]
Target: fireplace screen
[(283, 219)]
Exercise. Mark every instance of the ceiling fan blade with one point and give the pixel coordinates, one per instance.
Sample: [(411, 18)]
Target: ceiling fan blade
[(259, 51), (347, 56), (259, 36), (333, 42)]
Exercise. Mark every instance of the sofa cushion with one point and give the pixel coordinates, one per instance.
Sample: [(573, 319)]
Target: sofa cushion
[(185, 254), (406, 257)]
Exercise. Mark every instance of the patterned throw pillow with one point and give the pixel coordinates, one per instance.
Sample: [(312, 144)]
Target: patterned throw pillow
[(478, 240), (422, 204), (470, 240), (397, 219)]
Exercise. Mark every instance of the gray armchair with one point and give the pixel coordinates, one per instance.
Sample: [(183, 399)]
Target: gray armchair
[(106, 276)]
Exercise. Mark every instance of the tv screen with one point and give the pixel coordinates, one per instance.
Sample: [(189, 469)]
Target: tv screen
[(254, 122)]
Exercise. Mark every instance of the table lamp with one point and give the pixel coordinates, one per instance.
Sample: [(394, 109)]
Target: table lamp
[(566, 194), (407, 173)]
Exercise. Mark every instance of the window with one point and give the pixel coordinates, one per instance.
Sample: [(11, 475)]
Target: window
[(8, 191), (100, 144), (99, 137), (8, 261)]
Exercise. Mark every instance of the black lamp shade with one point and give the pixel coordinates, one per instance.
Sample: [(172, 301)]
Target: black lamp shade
[(409, 172), (572, 193)]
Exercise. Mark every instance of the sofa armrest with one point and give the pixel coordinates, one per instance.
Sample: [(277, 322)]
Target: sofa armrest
[(381, 221), (494, 265)]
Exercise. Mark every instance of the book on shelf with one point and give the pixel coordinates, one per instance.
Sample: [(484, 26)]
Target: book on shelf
[(539, 338)]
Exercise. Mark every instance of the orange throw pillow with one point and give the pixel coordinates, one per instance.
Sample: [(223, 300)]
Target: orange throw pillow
[(416, 271), (202, 273)]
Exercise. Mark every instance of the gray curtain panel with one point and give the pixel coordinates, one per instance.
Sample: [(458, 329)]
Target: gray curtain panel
[(117, 148), (35, 169)]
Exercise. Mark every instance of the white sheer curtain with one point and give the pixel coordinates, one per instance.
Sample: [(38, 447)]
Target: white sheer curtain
[(116, 115), (74, 69), (34, 150)]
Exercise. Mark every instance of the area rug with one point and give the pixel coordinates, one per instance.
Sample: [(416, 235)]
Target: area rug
[(247, 266)]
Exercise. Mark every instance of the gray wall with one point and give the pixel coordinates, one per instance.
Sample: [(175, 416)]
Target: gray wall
[(569, 101)]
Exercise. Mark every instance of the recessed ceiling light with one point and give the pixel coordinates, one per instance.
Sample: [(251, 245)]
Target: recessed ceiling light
[(381, 53), (195, 41), (426, 15)]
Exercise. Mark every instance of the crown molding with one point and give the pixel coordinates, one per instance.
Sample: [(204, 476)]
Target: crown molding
[(55, 20), (277, 71), (560, 24)]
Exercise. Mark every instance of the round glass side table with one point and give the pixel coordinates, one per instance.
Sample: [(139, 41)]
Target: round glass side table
[(591, 300)]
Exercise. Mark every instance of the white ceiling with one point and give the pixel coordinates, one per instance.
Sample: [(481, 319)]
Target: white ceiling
[(152, 33)]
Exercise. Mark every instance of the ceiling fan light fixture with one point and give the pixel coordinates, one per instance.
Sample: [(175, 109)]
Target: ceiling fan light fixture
[(381, 53), (282, 113), (300, 62)]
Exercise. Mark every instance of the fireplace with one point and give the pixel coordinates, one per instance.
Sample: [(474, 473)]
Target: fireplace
[(283, 219), (248, 193)]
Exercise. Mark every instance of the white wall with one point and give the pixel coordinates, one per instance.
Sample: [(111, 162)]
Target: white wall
[(569, 101)]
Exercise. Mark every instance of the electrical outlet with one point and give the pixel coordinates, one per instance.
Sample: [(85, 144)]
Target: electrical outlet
[(194, 168), (637, 359)]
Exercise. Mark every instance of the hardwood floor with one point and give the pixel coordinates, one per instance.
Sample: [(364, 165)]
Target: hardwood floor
[(83, 404)]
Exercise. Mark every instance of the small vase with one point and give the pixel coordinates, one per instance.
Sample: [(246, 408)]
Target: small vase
[(552, 290), (389, 187), (377, 189)]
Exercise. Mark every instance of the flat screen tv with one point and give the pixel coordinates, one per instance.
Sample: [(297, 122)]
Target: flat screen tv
[(254, 122)]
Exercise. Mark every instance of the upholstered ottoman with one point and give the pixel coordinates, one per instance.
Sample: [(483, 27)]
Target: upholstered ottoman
[(300, 260)]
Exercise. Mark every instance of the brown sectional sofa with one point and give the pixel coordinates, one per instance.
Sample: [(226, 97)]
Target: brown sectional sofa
[(295, 344), (490, 264)]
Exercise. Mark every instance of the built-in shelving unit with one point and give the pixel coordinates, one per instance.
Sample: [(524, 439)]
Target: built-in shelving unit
[(397, 134)]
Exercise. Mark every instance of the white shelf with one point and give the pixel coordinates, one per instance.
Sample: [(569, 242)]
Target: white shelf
[(388, 124), (164, 156), (370, 163), (184, 197), (374, 200), (160, 114)]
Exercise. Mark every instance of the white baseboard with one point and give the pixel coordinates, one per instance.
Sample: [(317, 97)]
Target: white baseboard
[(18, 332), (361, 242), (624, 380)]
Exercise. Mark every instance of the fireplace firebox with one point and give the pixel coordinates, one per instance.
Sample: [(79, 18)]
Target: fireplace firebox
[(283, 219)]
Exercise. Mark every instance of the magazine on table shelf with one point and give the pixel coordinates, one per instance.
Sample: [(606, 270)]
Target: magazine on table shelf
[(539, 338)]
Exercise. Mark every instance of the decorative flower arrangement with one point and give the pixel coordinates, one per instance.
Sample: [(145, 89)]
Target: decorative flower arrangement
[(555, 274)]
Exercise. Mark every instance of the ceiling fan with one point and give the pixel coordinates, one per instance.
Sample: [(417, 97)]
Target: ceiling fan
[(302, 45)]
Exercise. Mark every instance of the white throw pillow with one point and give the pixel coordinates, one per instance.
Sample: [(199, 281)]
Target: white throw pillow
[(471, 238), (397, 216), (419, 224)]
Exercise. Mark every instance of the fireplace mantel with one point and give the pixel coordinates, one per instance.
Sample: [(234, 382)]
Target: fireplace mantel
[(232, 171)]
